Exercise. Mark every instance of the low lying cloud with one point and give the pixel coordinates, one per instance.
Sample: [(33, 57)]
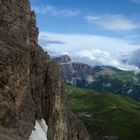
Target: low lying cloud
[(112, 22), (91, 49), (54, 11), (105, 58)]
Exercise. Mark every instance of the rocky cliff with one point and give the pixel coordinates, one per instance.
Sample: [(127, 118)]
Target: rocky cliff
[(75, 73), (78, 73), (30, 87)]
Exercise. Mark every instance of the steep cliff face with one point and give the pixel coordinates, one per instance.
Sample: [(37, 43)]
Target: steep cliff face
[(76, 73), (30, 85)]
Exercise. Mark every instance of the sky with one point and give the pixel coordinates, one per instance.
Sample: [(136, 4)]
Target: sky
[(92, 31)]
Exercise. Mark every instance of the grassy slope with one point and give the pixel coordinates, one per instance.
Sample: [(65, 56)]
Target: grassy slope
[(117, 74), (108, 114), (128, 76)]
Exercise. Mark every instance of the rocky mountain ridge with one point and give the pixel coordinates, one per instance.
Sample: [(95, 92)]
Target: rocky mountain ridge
[(30, 84), (101, 78), (74, 72), (78, 73)]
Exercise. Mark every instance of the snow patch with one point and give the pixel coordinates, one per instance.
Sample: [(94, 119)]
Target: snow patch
[(40, 130)]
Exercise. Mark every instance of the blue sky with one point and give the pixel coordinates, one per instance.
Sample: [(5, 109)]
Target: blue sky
[(89, 29)]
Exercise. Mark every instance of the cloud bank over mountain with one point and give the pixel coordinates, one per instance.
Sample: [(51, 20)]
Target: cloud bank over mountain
[(91, 49)]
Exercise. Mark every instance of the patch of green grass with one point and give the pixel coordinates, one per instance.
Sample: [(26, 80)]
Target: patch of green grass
[(128, 76), (108, 114)]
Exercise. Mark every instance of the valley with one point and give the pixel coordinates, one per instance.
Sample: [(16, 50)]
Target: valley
[(105, 98), (106, 115)]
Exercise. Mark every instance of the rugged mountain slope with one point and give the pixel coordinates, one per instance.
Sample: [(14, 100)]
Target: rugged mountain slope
[(30, 87), (101, 78)]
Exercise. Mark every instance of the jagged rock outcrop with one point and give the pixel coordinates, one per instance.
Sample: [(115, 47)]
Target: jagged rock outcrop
[(61, 59), (30, 86), (78, 73), (75, 73)]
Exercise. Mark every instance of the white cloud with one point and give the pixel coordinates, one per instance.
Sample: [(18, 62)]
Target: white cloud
[(54, 11), (105, 58), (113, 22), (92, 49)]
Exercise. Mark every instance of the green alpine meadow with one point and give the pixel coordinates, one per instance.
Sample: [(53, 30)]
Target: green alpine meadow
[(106, 114)]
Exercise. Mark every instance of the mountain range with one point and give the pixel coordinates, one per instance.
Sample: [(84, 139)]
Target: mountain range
[(101, 78), (100, 97)]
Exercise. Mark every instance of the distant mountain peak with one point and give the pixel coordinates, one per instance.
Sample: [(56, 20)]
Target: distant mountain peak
[(62, 59)]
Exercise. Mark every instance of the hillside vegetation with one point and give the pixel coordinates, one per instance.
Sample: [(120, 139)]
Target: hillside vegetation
[(106, 114)]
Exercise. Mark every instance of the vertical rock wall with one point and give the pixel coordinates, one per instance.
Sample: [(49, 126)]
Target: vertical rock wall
[(30, 85)]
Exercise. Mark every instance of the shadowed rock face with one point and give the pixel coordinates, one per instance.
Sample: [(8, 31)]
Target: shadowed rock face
[(30, 86)]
